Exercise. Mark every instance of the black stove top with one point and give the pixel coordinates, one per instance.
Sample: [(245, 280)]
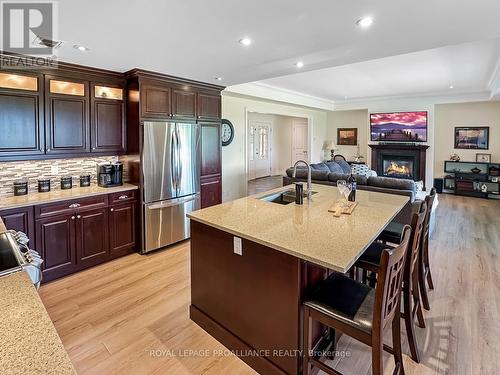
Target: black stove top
[(8, 258)]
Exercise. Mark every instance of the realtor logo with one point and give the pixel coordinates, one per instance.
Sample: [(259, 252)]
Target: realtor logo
[(29, 28)]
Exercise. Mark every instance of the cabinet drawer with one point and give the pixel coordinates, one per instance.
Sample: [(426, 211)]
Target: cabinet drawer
[(122, 196), (68, 206)]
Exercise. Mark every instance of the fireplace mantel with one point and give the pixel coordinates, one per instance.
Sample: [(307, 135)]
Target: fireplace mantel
[(400, 149)]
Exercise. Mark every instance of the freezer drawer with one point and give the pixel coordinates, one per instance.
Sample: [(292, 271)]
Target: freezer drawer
[(166, 222)]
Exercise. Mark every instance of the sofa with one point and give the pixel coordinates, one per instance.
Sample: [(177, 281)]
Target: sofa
[(328, 173)]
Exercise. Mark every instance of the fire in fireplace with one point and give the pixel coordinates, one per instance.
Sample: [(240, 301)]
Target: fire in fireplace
[(398, 168)]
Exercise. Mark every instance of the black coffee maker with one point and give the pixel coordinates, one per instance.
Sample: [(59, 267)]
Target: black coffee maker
[(110, 174)]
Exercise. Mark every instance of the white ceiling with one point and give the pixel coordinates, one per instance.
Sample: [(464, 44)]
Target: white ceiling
[(468, 67), (198, 39)]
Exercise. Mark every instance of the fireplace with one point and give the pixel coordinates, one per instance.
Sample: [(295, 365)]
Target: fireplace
[(398, 166), (399, 160)]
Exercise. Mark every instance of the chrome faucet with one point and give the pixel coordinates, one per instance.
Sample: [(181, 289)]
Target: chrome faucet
[(309, 189)]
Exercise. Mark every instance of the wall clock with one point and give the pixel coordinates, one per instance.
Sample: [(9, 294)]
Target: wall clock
[(227, 132)]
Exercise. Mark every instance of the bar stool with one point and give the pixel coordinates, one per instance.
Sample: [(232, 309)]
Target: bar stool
[(412, 307), (359, 311), (425, 268)]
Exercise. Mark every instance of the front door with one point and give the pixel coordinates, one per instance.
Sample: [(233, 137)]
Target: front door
[(300, 139), (259, 149)]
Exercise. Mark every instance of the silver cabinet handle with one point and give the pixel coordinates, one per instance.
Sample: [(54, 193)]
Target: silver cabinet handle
[(112, 209), (78, 217), (74, 205), (93, 148), (72, 218), (48, 150), (123, 197)]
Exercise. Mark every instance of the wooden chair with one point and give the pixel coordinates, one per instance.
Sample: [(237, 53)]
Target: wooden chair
[(339, 157), (359, 311), (412, 306), (425, 268)]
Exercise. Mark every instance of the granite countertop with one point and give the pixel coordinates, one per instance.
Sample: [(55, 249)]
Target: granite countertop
[(308, 231), (61, 195), (29, 341)]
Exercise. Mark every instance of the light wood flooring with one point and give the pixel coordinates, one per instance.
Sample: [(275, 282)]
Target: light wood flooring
[(110, 317), (260, 185)]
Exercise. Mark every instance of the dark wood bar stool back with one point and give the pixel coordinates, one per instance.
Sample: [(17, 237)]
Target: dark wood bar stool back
[(412, 306), (367, 321), (425, 268)]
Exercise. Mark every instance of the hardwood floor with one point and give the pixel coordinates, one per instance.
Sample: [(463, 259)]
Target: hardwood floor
[(110, 317), (260, 185)]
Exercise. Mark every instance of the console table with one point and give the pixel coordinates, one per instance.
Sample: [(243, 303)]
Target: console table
[(472, 178)]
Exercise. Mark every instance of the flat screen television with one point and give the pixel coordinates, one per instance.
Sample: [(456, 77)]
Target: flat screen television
[(399, 126)]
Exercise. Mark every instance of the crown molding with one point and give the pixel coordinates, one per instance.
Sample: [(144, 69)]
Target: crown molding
[(265, 91)]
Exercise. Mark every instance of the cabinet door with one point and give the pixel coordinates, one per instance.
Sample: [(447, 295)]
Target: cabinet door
[(211, 191), (55, 241), (155, 100), (122, 228), (92, 245), (183, 103), (209, 106), (210, 149), (67, 123), (108, 127), (21, 116), (20, 219)]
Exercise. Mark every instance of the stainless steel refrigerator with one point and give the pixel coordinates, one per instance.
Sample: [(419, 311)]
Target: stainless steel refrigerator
[(171, 174)]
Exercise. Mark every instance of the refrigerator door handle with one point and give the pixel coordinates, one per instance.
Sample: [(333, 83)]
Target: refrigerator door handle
[(173, 159), (179, 163), (174, 202)]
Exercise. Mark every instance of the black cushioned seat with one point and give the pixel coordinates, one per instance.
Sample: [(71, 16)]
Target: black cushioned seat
[(344, 299), (373, 254), (392, 232)]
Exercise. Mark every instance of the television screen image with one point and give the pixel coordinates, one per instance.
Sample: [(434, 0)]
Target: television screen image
[(399, 126)]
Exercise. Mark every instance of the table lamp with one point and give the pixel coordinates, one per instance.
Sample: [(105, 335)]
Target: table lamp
[(330, 145)]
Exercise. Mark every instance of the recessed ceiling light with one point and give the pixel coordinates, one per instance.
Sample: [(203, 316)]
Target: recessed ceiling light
[(451, 86), (299, 64), (246, 41), (219, 78), (80, 48), (365, 22)]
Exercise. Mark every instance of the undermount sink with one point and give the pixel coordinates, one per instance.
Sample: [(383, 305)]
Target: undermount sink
[(282, 197)]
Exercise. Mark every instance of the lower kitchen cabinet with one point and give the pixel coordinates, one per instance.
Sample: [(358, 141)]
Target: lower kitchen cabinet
[(211, 191), (55, 241), (92, 244), (70, 241), (122, 229), (20, 219)]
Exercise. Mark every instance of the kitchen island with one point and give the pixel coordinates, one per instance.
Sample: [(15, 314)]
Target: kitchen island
[(253, 260)]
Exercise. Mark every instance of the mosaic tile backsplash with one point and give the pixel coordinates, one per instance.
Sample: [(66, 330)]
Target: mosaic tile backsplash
[(53, 169)]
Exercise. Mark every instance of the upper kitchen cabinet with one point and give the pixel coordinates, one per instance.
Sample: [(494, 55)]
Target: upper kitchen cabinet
[(107, 118), (183, 102), (21, 115), (209, 105), (66, 116), (155, 99)]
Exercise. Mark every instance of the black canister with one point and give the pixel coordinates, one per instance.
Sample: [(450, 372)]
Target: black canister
[(20, 188), (66, 182), (44, 185), (299, 193), (85, 180)]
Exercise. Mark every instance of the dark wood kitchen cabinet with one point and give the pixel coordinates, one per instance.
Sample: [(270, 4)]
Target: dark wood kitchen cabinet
[(55, 241), (122, 229), (209, 105), (155, 100), (84, 232), (108, 130), (66, 119), (91, 235), (211, 191), (183, 102), (20, 219), (21, 115)]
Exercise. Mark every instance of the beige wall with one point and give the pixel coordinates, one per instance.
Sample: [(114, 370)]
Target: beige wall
[(235, 108), (447, 116), (349, 119)]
